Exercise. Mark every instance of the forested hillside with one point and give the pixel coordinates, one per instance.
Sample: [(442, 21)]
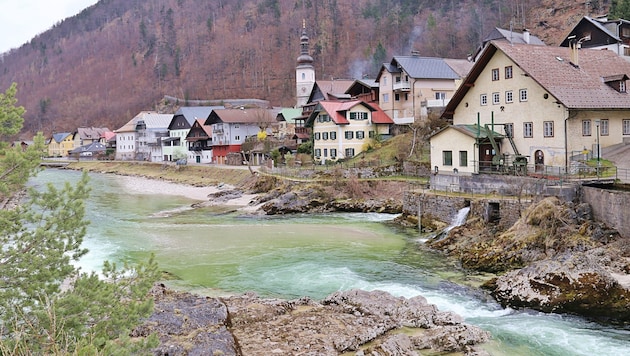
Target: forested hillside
[(102, 66)]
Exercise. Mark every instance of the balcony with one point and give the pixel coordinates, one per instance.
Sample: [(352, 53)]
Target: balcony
[(402, 86), (435, 103)]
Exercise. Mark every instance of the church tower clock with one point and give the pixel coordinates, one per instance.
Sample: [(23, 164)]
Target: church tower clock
[(304, 71)]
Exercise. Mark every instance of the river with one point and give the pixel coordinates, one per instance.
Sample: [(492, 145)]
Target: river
[(218, 251)]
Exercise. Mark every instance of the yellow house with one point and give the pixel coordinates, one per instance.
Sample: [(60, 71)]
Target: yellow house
[(544, 106), (61, 144), (341, 129)]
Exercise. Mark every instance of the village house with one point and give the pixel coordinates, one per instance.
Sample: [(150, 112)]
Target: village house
[(543, 106), (88, 135), (199, 142), (230, 128), (411, 86), (140, 138), (183, 120), (286, 122), (343, 129), (60, 144), (601, 33)]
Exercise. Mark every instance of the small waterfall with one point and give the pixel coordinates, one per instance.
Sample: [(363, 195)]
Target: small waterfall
[(458, 220)]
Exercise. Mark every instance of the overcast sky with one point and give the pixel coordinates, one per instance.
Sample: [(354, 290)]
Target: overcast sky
[(21, 20)]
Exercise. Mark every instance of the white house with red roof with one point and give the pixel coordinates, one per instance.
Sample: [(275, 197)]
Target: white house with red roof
[(545, 104), (343, 129)]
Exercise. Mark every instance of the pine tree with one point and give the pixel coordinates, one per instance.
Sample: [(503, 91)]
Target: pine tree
[(39, 242)]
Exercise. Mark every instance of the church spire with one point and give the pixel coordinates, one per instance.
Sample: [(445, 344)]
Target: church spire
[(304, 71)]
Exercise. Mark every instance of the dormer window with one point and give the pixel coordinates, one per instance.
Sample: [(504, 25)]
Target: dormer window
[(617, 82)]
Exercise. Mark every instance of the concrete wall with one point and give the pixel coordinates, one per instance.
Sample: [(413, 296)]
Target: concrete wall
[(610, 207), (503, 185)]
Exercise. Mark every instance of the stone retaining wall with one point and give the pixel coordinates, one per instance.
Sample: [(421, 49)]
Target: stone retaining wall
[(609, 206), (504, 212)]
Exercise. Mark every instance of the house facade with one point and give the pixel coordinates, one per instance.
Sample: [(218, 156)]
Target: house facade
[(410, 86), (126, 141), (61, 144), (601, 33), (199, 142), (183, 120), (344, 129), (545, 105), (230, 128), (88, 135)]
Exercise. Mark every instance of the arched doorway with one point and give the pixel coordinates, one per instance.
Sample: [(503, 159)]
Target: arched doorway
[(539, 160)]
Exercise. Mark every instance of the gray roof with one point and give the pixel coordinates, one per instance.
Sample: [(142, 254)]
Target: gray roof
[(191, 113), (60, 136), (425, 67), (154, 120), (514, 37), (92, 147)]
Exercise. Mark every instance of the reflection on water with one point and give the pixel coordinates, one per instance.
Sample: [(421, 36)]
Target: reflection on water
[(217, 251)]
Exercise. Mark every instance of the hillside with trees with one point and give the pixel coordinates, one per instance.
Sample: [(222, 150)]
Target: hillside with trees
[(118, 57)]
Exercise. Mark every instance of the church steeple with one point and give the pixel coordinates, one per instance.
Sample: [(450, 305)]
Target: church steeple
[(304, 72)]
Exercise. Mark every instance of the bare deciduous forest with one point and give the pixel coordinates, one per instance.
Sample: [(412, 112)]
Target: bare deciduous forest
[(118, 57)]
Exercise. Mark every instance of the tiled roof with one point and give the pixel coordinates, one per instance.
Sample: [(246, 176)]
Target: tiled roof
[(576, 87), (91, 132), (241, 116), (154, 120), (337, 111), (337, 87), (514, 37)]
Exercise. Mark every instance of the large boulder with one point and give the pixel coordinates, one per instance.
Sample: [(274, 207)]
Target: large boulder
[(366, 323), (570, 283)]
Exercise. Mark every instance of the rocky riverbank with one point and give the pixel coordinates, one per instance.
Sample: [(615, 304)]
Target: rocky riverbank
[(351, 322), (556, 258)]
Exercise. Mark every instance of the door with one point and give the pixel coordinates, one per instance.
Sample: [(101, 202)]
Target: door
[(539, 160), (198, 159), (485, 157)]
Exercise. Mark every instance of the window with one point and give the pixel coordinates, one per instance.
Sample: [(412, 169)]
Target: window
[(371, 134), (483, 99), (386, 98), (349, 135), (325, 152), (323, 118), (440, 96), (349, 152), (509, 96), (333, 135), (360, 135), (586, 127), (385, 82), (508, 72), (509, 130), (357, 115), (548, 128), (447, 158), (626, 127), (622, 86), (237, 138), (303, 76), (317, 135), (496, 99), (333, 153), (603, 127), (324, 136), (495, 74), (528, 129), (318, 152), (396, 97), (463, 158), (522, 95)]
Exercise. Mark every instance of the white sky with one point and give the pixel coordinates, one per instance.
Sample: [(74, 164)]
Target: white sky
[(21, 20)]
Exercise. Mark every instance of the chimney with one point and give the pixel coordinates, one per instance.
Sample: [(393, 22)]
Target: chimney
[(526, 36)]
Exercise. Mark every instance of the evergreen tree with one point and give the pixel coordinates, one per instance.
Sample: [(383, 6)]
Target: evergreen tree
[(39, 242)]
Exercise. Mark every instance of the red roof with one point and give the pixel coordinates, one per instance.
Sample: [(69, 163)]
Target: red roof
[(337, 111)]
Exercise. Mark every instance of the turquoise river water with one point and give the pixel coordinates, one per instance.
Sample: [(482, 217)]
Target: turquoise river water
[(217, 251)]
